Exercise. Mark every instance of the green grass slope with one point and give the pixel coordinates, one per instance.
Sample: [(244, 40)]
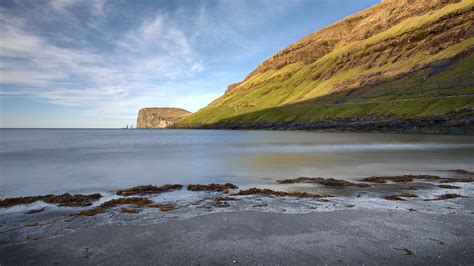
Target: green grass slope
[(397, 59)]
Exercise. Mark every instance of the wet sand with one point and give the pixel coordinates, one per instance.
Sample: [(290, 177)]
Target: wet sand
[(385, 221), (250, 237)]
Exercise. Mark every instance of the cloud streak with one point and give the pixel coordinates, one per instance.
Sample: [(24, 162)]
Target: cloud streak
[(111, 58), (40, 68)]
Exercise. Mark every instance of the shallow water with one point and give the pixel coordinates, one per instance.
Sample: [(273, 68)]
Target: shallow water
[(41, 161), (36, 162)]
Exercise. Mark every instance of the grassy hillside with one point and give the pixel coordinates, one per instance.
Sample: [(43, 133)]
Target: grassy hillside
[(397, 59)]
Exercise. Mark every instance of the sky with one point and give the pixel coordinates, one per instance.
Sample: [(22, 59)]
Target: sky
[(95, 63)]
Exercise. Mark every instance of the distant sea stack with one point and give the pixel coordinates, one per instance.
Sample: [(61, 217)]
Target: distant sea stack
[(159, 117)]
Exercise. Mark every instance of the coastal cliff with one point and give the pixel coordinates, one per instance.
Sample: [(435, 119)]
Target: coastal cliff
[(159, 117), (397, 66)]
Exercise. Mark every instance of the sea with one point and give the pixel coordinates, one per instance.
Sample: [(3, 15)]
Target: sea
[(54, 161)]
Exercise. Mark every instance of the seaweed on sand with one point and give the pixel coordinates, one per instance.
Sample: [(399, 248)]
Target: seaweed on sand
[(68, 200), (269, 192), (448, 186), (113, 203), (426, 177), (149, 189), (63, 200), (299, 180), (323, 181), (32, 211), (212, 187), (374, 179), (398, 178), (222, 201), (446, 197), (131, 210), (401, 196), (32, 225), (164, 207)]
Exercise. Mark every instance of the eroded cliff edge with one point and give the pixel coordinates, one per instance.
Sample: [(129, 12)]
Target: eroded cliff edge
[(159, 117)]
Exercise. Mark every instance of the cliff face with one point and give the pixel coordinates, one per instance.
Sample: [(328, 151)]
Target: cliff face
[(159, 117), (400, 59)]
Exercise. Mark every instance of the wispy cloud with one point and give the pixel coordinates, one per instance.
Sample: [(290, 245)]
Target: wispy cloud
[(157, 50), (111, 61)]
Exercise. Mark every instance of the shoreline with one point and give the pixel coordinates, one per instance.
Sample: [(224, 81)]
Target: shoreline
[(25, 221), (307, 128), (451, 124), (252, 237), (410, 218), (335, 130), (273, 128)]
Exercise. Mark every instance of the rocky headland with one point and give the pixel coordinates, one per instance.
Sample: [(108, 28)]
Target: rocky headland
[(159, 117)]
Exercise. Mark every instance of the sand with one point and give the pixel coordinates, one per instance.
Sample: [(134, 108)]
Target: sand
[(250, 237)]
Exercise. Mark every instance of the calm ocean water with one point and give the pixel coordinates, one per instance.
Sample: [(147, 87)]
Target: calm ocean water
[(40, 161)]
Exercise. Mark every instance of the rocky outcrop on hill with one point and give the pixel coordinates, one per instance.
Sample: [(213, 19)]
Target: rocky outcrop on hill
[(159, 117)]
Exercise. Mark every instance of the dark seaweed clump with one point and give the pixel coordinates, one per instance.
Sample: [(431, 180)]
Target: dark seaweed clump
[(399, 178), (164, 207), (131, 210), (212, 187), (401, 196), (269, 192), (323, 181), (149, 189), (374, 179), (136, 202), (447, 196), (32, 211), (222, 201), (113, 203), (63, 200), (448, 186)]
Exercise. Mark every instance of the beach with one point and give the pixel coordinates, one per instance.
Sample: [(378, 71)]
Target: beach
[(227, 197), (251, 237), (254, 226)]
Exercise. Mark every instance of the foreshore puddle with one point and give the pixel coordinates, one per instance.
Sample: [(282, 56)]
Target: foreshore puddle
[(35, 217)]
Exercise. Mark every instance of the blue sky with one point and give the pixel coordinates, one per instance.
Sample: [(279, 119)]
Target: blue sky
[(95, 63)]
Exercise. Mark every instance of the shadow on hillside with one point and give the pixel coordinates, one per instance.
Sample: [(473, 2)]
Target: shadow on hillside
[(363, 108)]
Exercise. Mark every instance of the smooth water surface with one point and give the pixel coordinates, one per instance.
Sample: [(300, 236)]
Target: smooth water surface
[(40, 161)]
